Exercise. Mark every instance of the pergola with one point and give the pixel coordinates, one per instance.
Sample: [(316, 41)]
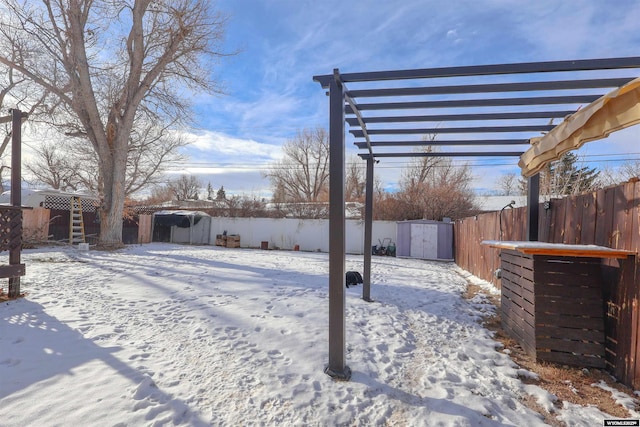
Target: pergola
[(468, 112)]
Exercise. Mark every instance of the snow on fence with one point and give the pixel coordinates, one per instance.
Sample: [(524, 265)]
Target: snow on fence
[(306, 234)]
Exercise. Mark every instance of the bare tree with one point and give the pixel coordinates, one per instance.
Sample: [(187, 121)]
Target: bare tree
[(159, 194), (186, 187), (245, 206), (628, 170), (16, 92), (450, 194), (434, 188), (152, 150), (303, 174), (609, 175), (107, 62), (508, 184), (68, 165), (355, 180), (420, 169), (52, 167)]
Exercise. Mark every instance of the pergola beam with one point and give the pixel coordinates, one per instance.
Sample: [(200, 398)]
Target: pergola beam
[(486, 70), (492, 88), (360, 122)]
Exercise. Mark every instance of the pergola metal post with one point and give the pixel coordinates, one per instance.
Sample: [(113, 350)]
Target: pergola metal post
[(16, 191), (337, 367), (368, 226), (533, 207)]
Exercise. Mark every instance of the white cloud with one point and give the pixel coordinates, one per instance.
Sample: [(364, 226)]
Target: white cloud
[(212, 145)]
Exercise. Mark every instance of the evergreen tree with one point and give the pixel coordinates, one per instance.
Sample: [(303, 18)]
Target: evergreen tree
[(566, 176), (221, 195), (209, 191)]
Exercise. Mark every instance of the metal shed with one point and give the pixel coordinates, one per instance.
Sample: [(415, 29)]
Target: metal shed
[(425, 239), (192, 227)]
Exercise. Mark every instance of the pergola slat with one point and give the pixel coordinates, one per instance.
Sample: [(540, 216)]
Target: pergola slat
[(455, 142), (463, 117), (431, 131), (468, 103), (491, 88), (446, 154)]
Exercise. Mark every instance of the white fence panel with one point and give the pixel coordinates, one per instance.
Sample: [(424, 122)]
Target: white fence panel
[(308, 234)]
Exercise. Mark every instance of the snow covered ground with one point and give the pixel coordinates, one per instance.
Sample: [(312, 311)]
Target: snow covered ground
[(164, 334)]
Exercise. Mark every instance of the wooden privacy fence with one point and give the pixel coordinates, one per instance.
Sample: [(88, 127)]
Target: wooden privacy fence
[(609, 217)]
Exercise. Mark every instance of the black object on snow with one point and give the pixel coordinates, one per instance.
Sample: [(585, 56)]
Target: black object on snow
[(353, 278)]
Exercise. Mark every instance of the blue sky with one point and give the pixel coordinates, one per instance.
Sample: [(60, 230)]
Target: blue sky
[(270, 94)]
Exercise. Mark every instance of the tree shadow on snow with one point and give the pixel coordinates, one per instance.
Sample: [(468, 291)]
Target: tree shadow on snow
[(407, 293), (37, 347)]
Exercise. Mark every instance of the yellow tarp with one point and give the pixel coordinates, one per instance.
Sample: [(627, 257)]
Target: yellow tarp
[(614, 111)]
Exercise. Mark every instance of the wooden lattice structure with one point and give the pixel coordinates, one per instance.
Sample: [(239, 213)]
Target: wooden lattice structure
[(11, 216), (11, 240)]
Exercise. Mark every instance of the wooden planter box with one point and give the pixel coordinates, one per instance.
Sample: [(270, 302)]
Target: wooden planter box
[(233, 241), (221, 240), (552, 300)]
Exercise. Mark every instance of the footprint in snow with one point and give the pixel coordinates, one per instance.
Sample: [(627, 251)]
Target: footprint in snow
[(139, 356), (275, 354), (10, 362)]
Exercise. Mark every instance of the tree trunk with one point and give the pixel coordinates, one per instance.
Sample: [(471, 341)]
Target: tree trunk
[(113, 172), (111, 219)]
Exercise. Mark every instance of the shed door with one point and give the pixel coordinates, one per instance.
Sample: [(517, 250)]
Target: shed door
[(424, 241)]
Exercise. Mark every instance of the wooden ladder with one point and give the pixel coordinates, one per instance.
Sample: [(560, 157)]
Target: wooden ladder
[(76, 223)]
